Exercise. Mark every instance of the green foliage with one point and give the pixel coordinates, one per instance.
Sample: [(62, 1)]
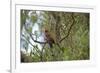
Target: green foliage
[(33, 19), (23, 16), (70, 31)]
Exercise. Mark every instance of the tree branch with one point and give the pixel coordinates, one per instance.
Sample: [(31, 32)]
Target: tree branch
[(69, 28), (37, 41), (28, 40), (30, 34), (31, 44)]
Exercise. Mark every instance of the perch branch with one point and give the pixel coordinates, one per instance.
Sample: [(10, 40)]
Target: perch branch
[(30, 34), (36, 40), (29, 42)]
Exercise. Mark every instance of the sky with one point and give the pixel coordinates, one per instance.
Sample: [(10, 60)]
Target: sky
[(35, 29)]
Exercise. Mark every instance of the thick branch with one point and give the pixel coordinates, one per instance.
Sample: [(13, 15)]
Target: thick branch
[(37, 41), (69, 28)]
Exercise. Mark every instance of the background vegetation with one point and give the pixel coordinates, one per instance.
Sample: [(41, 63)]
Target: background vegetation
[(70, 31)]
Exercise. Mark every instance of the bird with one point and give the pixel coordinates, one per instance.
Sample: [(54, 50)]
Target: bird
[(49, 39)]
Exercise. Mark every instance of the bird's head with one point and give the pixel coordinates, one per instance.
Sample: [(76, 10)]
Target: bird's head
[(46, 30)]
